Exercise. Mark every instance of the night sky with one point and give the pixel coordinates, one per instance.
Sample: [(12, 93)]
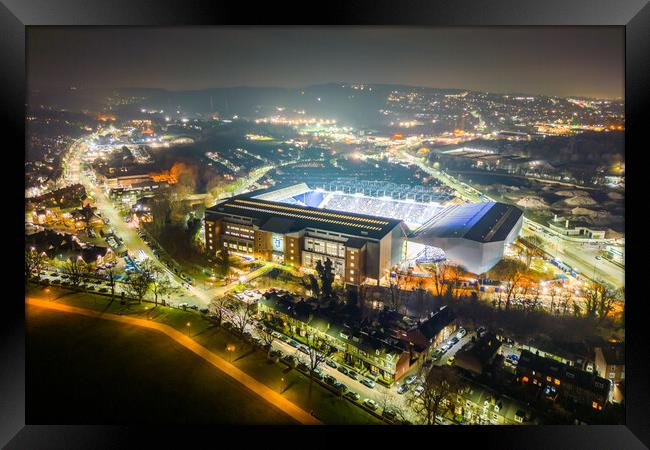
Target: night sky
[(586, 61)]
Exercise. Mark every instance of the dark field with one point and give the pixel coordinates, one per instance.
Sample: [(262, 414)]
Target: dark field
[(92, 371)]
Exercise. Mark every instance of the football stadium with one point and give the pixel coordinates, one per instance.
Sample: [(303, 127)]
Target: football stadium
[(365, 237)]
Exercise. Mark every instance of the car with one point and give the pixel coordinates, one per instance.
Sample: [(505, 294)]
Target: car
[(443, 349), (454, 341), (318, 374), (329, 379), (368, 382), (340, 387), (480, 331), (290, 360), (370, 403), (331, 363), (402, 389), (303, 367), (451, 360), (275, 353), (294, 344), (353, 395), (410, 379), (598, 258), (204, 310), (304, 349), (389, 414), (461, 333), (276, 335), (247, 334), (342, 369), (194, 307), (103, 289), (428, 363), (418, 390), (352, 374)]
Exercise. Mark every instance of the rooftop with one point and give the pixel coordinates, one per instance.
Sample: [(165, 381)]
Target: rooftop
[(283, 218), (482, 222)]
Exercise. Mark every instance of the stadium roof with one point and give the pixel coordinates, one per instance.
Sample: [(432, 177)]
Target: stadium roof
[(482, 222), (282, 217)]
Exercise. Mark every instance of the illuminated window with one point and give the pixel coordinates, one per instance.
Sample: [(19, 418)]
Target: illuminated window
[(352, 272), (549, 379), (524, 379), (594, 405), (351, 264)]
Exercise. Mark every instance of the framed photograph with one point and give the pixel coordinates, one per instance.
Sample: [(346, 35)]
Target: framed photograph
[(399, 219)]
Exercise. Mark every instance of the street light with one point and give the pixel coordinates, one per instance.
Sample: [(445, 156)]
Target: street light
[(188, 329), (230, 348)]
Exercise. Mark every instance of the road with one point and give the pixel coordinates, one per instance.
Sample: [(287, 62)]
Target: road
[(263, 391)]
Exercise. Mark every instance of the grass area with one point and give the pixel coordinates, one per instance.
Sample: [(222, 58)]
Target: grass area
[(83, 370), (327, 406)]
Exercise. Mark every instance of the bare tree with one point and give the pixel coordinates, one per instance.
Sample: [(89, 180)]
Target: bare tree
[(511, 271), (440, 389), (439, 272), (316, 348), (75, 269), (395, 296), (111, 273), (160, 284), (218, 304), (34, 261), (531, 247), (268, 339), (242, 315), (138, 284), (599, 301)]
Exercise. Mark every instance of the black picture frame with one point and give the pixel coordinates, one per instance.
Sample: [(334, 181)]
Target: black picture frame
[(634, 15)]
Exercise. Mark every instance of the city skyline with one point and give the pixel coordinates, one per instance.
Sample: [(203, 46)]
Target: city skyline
[(558, 61)]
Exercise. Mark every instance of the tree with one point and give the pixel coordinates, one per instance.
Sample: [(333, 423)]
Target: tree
[(224, 262), (160, 284), (242, 315), (112, 276), (316, 349), (531, 247), (267, 338), (75, 269), (441, 386), (439, 272), (313, 284), (138, 283), (599, 301), (218, 304), (395, 296), (34, 261), (326, 275), (511, 271)]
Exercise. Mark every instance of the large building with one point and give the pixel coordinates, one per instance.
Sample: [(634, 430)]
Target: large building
[(360, 246), (472, 235), (298, 226)]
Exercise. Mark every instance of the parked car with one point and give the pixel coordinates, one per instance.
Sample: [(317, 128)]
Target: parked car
[(341, 387), (451, 360), (370, 403), (318, 374), (410, 379), (343, 370), (418, 390), (402, 389), (389, 414), (331, 363), (461, 333), (368, 382), (275, 353), (303, 367), (290, 360), (329, 379), (353, 395), (352, 374), (428, 363)]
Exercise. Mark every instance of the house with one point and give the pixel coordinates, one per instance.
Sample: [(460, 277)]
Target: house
[(433, 331), (610, 364), (557, 381), (477, 356)]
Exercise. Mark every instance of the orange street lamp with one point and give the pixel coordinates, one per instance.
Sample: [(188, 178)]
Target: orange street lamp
[(231, 349), (188, 329)]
